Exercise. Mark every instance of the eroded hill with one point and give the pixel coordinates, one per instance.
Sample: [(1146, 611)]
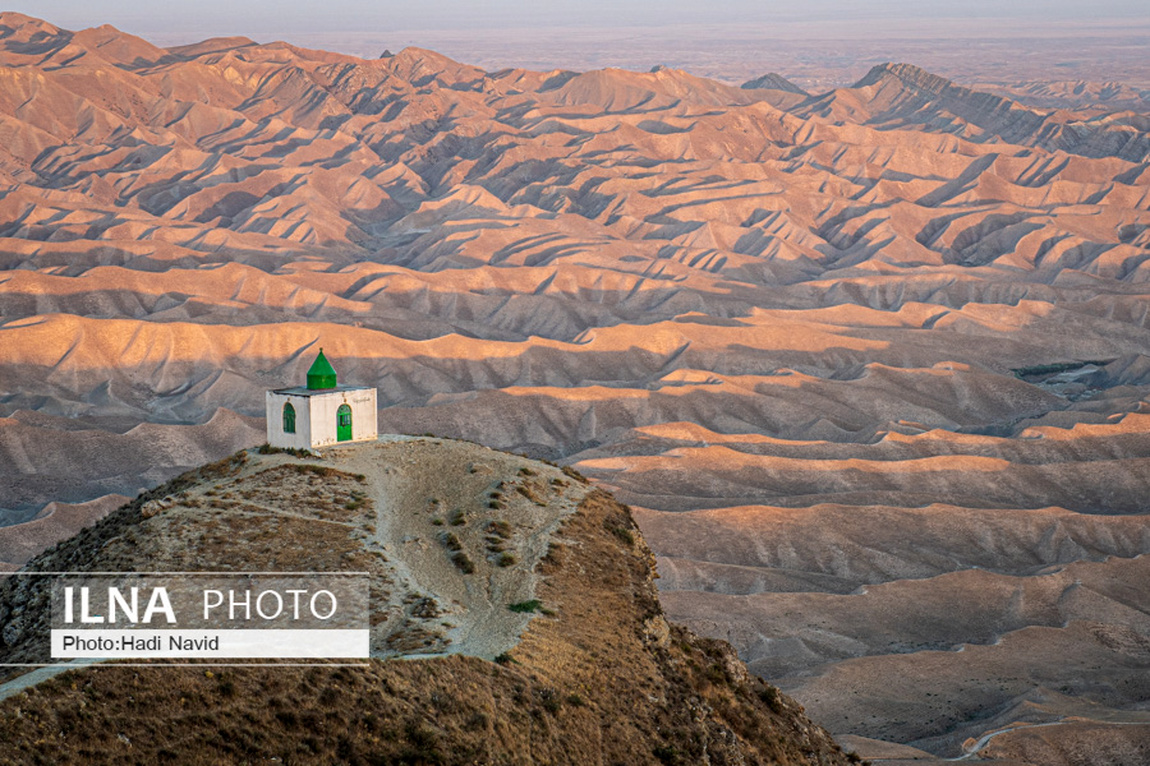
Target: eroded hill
[(598, 676), (886, 348)]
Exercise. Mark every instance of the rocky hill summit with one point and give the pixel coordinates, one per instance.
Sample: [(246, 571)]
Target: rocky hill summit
[(585, 669)]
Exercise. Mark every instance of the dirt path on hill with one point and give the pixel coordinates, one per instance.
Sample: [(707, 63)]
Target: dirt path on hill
[(421, 498), (456, 528)]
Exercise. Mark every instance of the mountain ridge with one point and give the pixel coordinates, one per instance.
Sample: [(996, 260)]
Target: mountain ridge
[(899, 95)]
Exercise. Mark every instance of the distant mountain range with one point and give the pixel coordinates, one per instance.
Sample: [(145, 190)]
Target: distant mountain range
[(872, 366)]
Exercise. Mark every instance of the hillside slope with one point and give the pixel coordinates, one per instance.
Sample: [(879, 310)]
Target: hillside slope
[(599, 677)]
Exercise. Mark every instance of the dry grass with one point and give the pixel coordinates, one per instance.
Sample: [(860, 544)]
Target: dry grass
[(601, 680), (293, 517)]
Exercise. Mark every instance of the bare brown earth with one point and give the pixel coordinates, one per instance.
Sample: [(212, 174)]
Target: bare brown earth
[(598, 676), (872, 365)]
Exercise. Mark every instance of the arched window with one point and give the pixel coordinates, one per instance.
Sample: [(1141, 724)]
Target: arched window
[(289, 418), (343, 423)]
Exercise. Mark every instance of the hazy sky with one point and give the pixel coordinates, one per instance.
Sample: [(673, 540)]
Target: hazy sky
[(287, 16), (817, 43)]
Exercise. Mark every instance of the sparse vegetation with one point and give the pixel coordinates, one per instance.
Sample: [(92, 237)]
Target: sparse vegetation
[(574, 474), (315, 470), (534, 605), (505, 559), (497, 534), (426, 608), (623, 534), (716, 674), (530, 492), (549, 699), (770, 695), (267, 449)]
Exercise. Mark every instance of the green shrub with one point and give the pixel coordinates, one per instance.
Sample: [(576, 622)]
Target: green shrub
[(267, 449), (524, 607), (623, 534)]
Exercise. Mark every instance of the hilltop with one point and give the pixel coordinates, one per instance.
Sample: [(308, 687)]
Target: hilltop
[(596, 676)]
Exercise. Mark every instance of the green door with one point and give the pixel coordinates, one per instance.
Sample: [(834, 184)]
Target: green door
[(343, 423)]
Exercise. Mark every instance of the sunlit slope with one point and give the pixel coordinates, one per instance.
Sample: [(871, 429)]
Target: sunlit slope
[(895, 336)]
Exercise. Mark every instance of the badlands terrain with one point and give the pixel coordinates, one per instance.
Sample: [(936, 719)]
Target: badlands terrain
[(871, 365)]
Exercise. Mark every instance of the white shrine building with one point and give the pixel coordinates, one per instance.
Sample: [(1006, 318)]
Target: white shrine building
[(322, 413)]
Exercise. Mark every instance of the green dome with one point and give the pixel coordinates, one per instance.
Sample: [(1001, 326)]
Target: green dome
[(321, 375)]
